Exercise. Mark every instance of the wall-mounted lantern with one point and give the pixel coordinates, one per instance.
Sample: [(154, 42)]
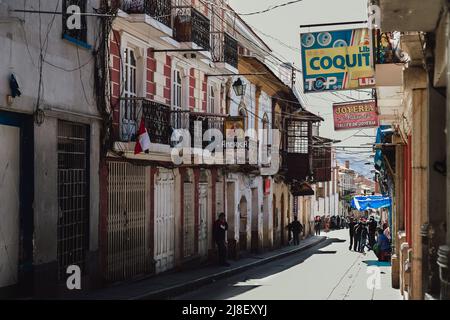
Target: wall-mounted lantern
[(239, 87)]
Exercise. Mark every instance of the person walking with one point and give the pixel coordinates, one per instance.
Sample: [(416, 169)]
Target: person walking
[(219, 232), (351, 225), (317, 224), (364, 234), (338, 222), (289, 229), (372, 231), (297, 228), (357, 236)]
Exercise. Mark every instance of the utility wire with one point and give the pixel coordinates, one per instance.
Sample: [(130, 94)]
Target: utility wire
[(270, 8)]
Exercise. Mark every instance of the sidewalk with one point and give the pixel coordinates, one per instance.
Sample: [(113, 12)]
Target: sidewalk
[(172, 284)]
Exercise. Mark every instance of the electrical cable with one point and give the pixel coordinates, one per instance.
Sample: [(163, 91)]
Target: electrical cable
[(270, 8)]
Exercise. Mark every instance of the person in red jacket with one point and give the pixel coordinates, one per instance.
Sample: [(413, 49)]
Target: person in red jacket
[(219, 232)]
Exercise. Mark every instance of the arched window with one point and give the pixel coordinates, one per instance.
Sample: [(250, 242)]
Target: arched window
[(243, 113), (265, 126)]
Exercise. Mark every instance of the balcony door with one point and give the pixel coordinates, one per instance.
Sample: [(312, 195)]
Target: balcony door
[(129, 104), (180, 119)]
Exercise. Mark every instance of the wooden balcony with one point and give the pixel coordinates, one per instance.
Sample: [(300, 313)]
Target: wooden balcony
[(297, 153), (322, 159), (191, 26)]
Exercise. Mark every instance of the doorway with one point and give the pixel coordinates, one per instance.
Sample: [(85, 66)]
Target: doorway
[(255, 221), (243, 215)]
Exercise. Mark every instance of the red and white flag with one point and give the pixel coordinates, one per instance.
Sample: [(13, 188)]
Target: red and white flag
[(143, 139)]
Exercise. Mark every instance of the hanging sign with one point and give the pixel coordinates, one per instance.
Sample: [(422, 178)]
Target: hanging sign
[(337, 60), (355, 115), (267, 187)]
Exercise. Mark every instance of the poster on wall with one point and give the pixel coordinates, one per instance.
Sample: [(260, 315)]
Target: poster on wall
[(337, 60), (355, 115)]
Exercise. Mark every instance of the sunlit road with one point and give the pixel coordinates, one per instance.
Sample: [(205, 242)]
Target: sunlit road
[(327, 271)]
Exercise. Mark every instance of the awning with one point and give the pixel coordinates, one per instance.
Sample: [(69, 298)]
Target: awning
[(362, 203)]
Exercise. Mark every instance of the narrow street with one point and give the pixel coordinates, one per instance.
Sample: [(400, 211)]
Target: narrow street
[(328, 271)]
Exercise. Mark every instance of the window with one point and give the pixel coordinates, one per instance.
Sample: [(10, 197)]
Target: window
[(129, 103), (243, 113), (265, 125), (298, 136), (76, 35), (211, 99), (177, 90)]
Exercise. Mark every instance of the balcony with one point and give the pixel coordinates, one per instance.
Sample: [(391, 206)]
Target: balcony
[(192, 27), (297, 156), (389, 59), (157, 119), (225, 50), (322, 164), (161, 121), (154, 13), (197, 123)]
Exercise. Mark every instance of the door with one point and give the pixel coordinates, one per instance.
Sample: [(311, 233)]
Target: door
[(255, 221), (128, 254), (10, 204), (189, 220), (203, 220), (266, 217), (243, 224), (73, 196), (164, 223)]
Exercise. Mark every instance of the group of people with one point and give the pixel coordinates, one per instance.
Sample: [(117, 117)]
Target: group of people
[(220, 228), (368, 234), (363, 234), (329, 223)]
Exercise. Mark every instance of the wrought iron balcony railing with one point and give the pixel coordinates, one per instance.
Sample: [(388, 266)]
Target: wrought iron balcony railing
[(160, 10), (191, 26), (161, 121), (157, 119), (224, 49), (197, 123)]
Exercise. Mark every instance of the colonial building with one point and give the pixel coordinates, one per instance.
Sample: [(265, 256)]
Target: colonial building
[(412, 143), (50, 131), (184, 72)]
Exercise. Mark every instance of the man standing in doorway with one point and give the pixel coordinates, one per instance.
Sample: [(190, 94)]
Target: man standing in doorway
[(219, 230), (297, 228)]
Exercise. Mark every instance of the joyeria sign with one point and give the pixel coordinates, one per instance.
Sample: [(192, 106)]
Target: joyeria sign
[(355, 115)]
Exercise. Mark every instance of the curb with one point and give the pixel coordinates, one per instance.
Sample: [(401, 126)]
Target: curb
[(169, 292)]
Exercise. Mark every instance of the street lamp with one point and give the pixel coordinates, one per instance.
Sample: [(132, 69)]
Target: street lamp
[(239, 87)]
